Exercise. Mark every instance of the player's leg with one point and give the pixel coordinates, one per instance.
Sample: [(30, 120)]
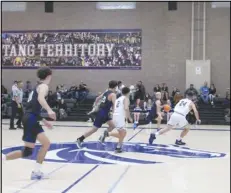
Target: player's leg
[(170, 124), (182, 135), (99, 121), (111, 126), (122, 133), (25, 152), (80, 140)]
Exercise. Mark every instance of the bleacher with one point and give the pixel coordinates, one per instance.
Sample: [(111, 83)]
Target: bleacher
[(78, 112)]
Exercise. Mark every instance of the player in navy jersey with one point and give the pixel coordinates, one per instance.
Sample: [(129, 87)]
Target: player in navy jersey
[(154, 112), (107, 101), (32, 129)]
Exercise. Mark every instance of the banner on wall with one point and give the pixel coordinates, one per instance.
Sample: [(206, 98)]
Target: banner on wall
[(72, 49)]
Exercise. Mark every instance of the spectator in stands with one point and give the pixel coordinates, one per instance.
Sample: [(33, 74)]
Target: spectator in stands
[(191, 89), (51, 99), (204, 93), (4, 90), (164, 92), (62, 108), (157, 88), (177, 97), (175, 90), (83, 91), (212, 93), (120, 86), (142, 89), (27, 89)]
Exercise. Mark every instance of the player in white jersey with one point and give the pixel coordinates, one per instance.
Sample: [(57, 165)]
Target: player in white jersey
[(121, 112), (178, 119)]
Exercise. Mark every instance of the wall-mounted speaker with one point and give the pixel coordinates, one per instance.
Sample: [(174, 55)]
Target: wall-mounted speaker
[(49, 6), (172, 5)]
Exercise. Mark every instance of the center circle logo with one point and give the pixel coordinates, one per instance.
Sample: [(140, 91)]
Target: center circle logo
[(97, 153)]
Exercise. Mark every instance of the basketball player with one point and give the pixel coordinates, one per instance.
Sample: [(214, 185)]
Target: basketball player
[(155, 112), (107, 101), (32, 129), (178, 118), (121, 112)]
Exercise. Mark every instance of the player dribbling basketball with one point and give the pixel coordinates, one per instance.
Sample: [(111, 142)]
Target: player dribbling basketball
[(178, 119)]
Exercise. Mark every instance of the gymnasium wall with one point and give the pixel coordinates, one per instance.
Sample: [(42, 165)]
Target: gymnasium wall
[(165, 41)]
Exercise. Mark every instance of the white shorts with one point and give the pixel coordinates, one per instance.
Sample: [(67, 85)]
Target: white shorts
[(119, 121), (177, 120)]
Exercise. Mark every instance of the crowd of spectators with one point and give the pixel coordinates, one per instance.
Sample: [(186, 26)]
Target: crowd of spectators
[(126, 52), (137, 93)]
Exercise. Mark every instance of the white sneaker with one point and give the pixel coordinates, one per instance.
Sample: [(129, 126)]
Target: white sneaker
[(38, 176)]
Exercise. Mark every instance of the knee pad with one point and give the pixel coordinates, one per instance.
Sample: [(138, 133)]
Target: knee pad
[(27, 151)]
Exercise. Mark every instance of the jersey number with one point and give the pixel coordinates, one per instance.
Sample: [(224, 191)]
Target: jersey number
[(118, 104), (103, 100), (182, 103), (30, 96)]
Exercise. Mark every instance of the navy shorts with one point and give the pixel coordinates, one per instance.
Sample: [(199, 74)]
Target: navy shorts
[(31, 128), (100, 119), (151, 115)]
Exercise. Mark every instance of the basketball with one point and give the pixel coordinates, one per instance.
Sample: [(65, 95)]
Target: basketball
[(167, 108)]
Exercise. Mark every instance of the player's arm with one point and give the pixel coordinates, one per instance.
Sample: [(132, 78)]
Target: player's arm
[(158, 108), (195, 111), (127, 111), (42, 93), (113, 99), (97, 99)]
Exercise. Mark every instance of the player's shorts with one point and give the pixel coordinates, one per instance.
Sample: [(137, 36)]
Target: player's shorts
[(101, 118), (31, 128), (119, 121), (177, 120)]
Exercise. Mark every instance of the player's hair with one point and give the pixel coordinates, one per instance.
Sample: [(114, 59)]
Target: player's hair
[(43, 72), (119, 82), (125, 90), (112, 84)]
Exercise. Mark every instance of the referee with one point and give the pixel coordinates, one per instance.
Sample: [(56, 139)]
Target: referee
[(16, 105)]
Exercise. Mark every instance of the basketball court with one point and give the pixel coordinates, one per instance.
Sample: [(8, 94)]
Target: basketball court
[(203, 166)]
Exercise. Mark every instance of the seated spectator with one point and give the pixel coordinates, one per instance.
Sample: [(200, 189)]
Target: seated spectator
[(204, 93), (175, 90), (192, 90), (177, 98), (27, 89), (164, 92), (119, 91), (4, 90), (51, 99), (212, 93), (83, 91), (62, 109), (157, 88)]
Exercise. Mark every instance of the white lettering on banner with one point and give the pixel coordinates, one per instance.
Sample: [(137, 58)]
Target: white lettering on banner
[(31, 50), (41, 47), (58, 50)]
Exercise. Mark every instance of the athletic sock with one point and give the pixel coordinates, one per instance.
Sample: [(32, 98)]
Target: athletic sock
[(157, 133), (81, 138), (179, 139), (38, 167), (119, 145)]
